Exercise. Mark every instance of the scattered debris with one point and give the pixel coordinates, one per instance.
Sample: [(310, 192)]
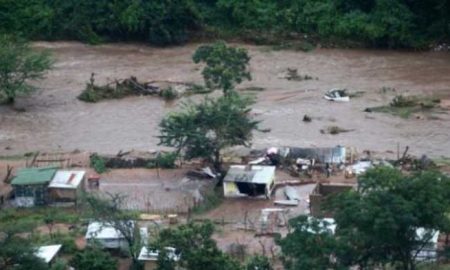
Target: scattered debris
[(286, 202), (333, 130), (307, 118), (291, 74), (291, 193), (335, 94)]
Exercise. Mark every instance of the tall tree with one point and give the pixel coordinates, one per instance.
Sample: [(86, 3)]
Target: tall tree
[(198, 250), (391, 217), (310, 245), (110, 211), (204, 130), (225, 66), (19, 66)]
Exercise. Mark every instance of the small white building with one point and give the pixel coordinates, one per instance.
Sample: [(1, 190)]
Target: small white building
[(48, 253), (106, 235), (66, 185), (253, 181), (150, 257), (429, 252)]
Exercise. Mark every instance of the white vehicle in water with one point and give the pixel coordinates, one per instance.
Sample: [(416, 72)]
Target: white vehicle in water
[(337, 94)]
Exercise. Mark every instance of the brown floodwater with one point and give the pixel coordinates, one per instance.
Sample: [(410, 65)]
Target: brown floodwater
[(54, 120)]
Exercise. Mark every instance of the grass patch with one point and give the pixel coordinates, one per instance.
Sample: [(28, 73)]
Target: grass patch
[(30, 218), (195, 89)]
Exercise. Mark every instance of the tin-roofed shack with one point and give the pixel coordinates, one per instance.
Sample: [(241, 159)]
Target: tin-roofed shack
[(253, 181), (66, 185), (30, 186)]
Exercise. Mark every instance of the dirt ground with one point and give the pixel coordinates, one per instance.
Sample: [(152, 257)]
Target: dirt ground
[(55, 120)]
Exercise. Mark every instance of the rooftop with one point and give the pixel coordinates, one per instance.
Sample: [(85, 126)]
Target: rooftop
[(67, 179), (102, 230), (152, 255), (33, 176), (253, 174)]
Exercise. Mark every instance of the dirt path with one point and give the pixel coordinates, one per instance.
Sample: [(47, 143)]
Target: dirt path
[(56, 120)]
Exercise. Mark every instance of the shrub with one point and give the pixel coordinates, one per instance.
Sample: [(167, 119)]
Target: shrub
[(98, 163), (168, 93)]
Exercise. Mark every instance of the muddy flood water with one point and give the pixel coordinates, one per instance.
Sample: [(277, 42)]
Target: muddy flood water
[(54, 120)]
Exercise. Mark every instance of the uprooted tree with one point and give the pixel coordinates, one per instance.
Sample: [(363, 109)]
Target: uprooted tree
[(225, 66), (19, 65), (204, 130)]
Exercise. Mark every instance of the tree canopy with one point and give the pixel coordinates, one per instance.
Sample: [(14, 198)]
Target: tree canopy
[(225, 66), (387, 221), (198, 250), (203, 130), (374, 23), (19, 65)]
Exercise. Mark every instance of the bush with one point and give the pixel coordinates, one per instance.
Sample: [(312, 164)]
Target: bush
[(93, 259), (98, 163), (168, 93), (164, 160)]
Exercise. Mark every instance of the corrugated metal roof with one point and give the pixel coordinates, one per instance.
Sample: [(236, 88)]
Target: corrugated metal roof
[(47, 253), (103, 230), (255, 174), (67, 179), (33, 176)]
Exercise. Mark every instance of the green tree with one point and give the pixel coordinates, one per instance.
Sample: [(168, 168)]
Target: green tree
[(311, 245), (17, 253), (198, 250), (20, 65), (225, 66), (110, 211), (378, 223), (93, 259), (205, 129)]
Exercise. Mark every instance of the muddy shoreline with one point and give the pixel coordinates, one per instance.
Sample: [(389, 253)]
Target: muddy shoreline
[(54, 120)]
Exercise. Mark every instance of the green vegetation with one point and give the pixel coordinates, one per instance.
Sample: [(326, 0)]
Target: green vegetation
[(118, 89), (405, 106), (98, 163), (198, 249), (225, 66), (19, 65), (285, 24), (203, 130), (93, 259), (164, 160), (376, 224)]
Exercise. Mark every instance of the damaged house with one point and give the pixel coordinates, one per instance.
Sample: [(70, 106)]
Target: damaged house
[(253, 181)]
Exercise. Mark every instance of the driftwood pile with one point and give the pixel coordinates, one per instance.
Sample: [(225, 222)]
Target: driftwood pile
[(117, 89)]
